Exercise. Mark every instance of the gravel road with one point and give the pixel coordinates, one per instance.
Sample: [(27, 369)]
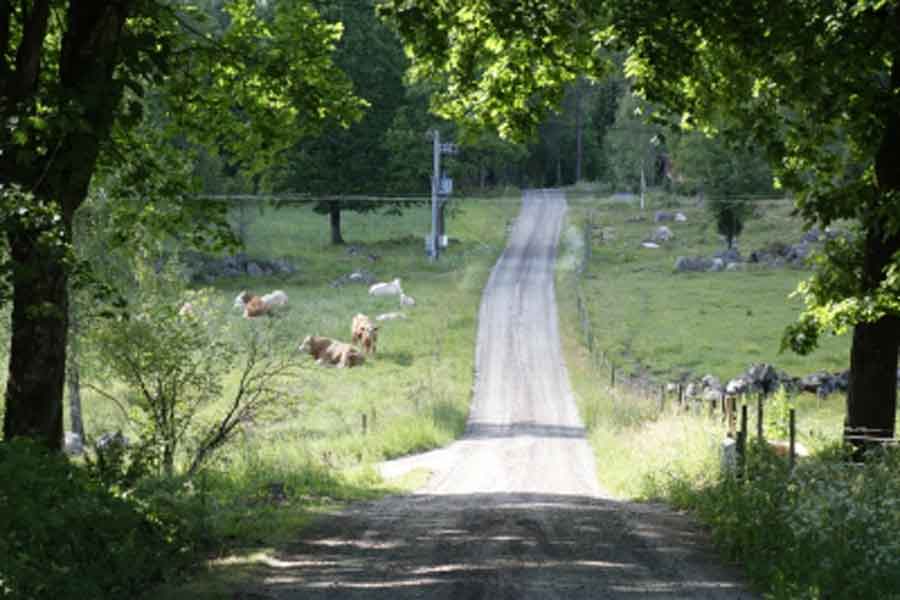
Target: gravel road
[(513, 510)]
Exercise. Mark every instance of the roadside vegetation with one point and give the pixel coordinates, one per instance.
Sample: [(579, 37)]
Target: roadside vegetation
[(313, 445), (826, 530)]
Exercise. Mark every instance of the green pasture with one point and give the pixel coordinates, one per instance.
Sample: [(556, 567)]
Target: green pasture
[(651, 320), (320, 443), (661, 325)]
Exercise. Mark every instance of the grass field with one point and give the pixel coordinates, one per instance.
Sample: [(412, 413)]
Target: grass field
[(654, 323), (413, 394), (652, 320)]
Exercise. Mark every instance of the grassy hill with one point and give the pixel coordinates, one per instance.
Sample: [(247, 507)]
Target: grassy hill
[(653, 320)]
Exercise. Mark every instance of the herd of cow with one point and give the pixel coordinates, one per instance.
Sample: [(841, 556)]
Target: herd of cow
[(327, 351)]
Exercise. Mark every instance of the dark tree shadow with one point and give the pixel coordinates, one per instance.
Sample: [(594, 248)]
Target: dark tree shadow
[(498, 546)]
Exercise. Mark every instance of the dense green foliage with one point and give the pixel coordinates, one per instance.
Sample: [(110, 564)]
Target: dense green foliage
[(816, 86), (65, 536), (826, 530)]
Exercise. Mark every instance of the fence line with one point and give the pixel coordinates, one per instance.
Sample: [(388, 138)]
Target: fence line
[(725, 404)]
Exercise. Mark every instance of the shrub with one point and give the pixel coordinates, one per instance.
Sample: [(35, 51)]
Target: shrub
[(175, 367), (827, 530), (65, 536)]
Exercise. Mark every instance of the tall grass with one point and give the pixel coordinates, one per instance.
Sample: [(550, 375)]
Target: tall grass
[(826, 530)]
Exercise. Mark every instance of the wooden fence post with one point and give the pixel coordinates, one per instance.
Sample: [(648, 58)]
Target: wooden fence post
[(759, 419), (662, 398), (742, 442), (364, 424), (612, 375), (730, 417), (792, 427)]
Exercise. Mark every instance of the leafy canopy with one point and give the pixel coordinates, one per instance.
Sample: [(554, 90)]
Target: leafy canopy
[(810, 83)]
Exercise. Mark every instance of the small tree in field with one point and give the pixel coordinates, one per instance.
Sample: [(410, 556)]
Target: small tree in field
[(174, 367), (728, 175), (729, 214)]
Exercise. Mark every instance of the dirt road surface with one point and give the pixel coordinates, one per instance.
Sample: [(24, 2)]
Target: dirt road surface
[(513, 510)]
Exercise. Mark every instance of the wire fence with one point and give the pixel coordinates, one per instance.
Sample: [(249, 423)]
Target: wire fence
[(673, 396)]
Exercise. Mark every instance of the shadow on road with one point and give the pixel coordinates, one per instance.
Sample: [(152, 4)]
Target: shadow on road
[(497, 546), (481, 430)]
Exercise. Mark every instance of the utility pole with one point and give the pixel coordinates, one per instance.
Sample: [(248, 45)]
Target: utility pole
[(643, 185), (441, 187), (433, 243)]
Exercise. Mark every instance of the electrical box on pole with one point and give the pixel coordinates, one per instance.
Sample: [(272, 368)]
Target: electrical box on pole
[(441, 188)]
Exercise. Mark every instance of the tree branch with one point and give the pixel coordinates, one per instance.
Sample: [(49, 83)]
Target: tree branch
[(5, 12), (108, 396), (28, 55)]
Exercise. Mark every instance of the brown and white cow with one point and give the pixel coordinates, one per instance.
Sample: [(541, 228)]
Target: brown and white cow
[(254, 306), (328, 352), (364, 333)]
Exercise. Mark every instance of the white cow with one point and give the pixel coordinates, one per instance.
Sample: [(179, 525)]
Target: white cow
[(386, 289), (276, 298)]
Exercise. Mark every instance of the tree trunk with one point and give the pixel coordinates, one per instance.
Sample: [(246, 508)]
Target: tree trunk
[(334, 217), (73, 377), (872, 393), (88, 56), (37, 353)]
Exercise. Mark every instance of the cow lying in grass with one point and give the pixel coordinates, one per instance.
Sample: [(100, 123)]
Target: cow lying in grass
[(253, 305), (364, 333), (386, 289), (256, 306), (328, 352)]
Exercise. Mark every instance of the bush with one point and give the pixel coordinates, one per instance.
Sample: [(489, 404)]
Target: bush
[(65, 536), (828, 530)]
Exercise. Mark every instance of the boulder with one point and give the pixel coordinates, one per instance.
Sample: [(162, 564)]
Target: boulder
[(812, 235), (651, 245), (254, 270), (729, 255), (359, 276), (662, 216), (662, 234), (737, 386), (797, 253), (717, 264), (680, 218), (763, 378), (711, 382), (692, 264), (812, 382)]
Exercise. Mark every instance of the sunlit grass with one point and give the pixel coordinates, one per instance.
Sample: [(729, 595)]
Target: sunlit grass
[(650, 321), (649, 318), (316, 449)]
